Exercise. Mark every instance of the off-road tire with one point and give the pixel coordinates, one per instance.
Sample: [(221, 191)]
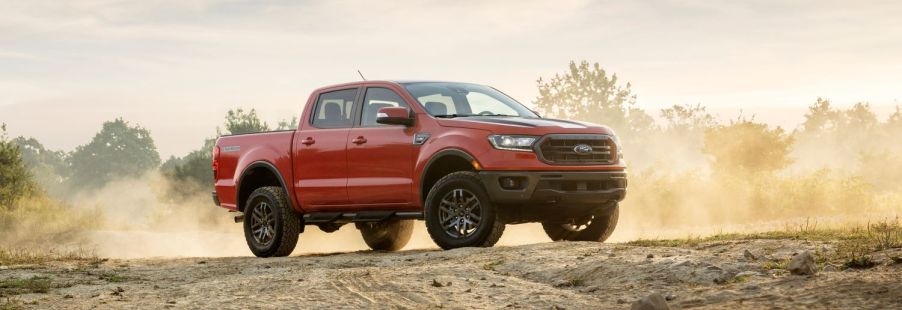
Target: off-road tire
[(391, 235), (600, 229), (286, 224), (490, 226)]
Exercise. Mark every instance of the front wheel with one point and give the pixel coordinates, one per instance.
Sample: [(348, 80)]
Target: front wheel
[(386, 235), (596, 227), (271, 227), (459, 213)]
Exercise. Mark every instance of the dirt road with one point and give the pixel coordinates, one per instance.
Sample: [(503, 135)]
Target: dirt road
[(544, 276)]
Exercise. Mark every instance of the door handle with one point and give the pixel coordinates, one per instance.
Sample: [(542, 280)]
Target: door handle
[(308, 141), (359, 140)]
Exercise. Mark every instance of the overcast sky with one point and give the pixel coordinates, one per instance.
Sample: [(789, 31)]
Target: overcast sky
[(175, 67)]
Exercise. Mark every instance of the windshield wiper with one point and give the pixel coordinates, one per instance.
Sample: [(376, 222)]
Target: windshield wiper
[(453, 115), (503, 115)]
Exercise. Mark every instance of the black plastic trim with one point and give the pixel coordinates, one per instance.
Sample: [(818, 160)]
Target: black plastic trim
[(256, 133), (272, 168), (435, 157), (532, 194), (314, 218)]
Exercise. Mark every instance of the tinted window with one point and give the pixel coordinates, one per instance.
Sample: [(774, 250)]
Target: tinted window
[(377, 98), (461, 99), (437, 104), (334, 109)]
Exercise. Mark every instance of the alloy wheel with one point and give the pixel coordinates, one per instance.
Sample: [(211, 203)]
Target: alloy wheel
[(263, 224), (460, 213)]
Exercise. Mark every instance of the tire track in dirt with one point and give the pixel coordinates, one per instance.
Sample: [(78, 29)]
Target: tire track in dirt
[(378, 292)]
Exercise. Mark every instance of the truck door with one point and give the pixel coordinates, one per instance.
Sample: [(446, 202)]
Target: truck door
[(320, 151), (380, 157)]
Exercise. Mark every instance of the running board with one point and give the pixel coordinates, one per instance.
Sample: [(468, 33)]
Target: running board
[(362, 216)]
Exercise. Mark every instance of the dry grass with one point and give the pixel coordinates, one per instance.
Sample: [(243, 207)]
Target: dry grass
[(36, 257), (35, 284), (877, 236), (39, 221), (855, 247), (490, 266), (10, 304)]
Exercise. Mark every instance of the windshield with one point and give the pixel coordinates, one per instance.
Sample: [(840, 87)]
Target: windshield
[(460, 100)]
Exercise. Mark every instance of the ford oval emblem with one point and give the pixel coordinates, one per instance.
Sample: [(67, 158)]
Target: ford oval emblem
[(582, 149)]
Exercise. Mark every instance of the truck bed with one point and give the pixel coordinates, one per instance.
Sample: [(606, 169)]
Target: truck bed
[(237, 152)]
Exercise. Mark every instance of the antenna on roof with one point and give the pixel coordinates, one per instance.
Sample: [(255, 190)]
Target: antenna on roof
[(361, 75)]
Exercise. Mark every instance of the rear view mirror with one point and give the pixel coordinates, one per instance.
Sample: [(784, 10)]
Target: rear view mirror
[(394, 116)]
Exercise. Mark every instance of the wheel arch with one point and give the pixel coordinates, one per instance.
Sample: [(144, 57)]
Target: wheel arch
[(258, 174), (440, 164)]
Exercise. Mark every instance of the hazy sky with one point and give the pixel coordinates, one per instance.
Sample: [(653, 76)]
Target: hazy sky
[(175, 67)]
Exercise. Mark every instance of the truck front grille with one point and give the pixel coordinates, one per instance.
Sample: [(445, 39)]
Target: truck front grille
[(571, 150)]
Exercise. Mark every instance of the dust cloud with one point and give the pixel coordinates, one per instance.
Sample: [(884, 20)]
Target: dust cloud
[(136, 223)]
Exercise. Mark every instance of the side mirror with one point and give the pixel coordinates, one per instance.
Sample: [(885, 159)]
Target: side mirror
[(394, 116)]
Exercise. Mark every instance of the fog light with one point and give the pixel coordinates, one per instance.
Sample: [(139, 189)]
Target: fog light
[(511, 183)]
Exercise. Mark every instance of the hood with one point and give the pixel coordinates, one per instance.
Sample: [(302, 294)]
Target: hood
[(520, 125)]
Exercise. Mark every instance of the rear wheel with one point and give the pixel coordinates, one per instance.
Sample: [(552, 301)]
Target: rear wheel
[(271, 227), (386, 235), (596, 227), (459, 213)]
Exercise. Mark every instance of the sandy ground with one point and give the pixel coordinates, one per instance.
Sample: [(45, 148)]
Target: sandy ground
[(570, 275)]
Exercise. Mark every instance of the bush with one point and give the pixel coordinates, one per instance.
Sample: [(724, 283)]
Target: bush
[(15, 180), (745, 147), (39, 221)]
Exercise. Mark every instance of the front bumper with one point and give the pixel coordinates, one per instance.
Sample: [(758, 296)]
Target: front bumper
[(584, 188)]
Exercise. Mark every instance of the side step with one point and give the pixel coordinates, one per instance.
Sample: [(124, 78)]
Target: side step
[(362, 216)]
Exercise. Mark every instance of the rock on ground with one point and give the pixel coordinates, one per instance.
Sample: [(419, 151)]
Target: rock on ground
[(802, 264), (651, 302)]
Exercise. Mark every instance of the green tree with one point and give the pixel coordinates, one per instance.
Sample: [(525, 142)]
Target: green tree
[(48, 167), (193, 172), (821, 117), (893, 125), (240, 122), (117, 151), (859, 118), (745, 147), (15, 181), (288, 124), (586, 92), (687, 118)]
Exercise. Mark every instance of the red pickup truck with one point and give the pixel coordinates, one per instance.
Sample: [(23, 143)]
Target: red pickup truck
[(465, 158)]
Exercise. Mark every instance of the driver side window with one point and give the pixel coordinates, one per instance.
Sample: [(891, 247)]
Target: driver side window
[(375, 99), (438, 104)]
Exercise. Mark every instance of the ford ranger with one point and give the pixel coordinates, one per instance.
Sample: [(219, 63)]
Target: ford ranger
[(465, 158)]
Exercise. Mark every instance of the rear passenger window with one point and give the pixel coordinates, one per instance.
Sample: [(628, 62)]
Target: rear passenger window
[(377, 98), (334, 109)]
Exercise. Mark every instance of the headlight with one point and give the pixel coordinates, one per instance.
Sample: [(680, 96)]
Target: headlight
[(618, 146), (513, 142)]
